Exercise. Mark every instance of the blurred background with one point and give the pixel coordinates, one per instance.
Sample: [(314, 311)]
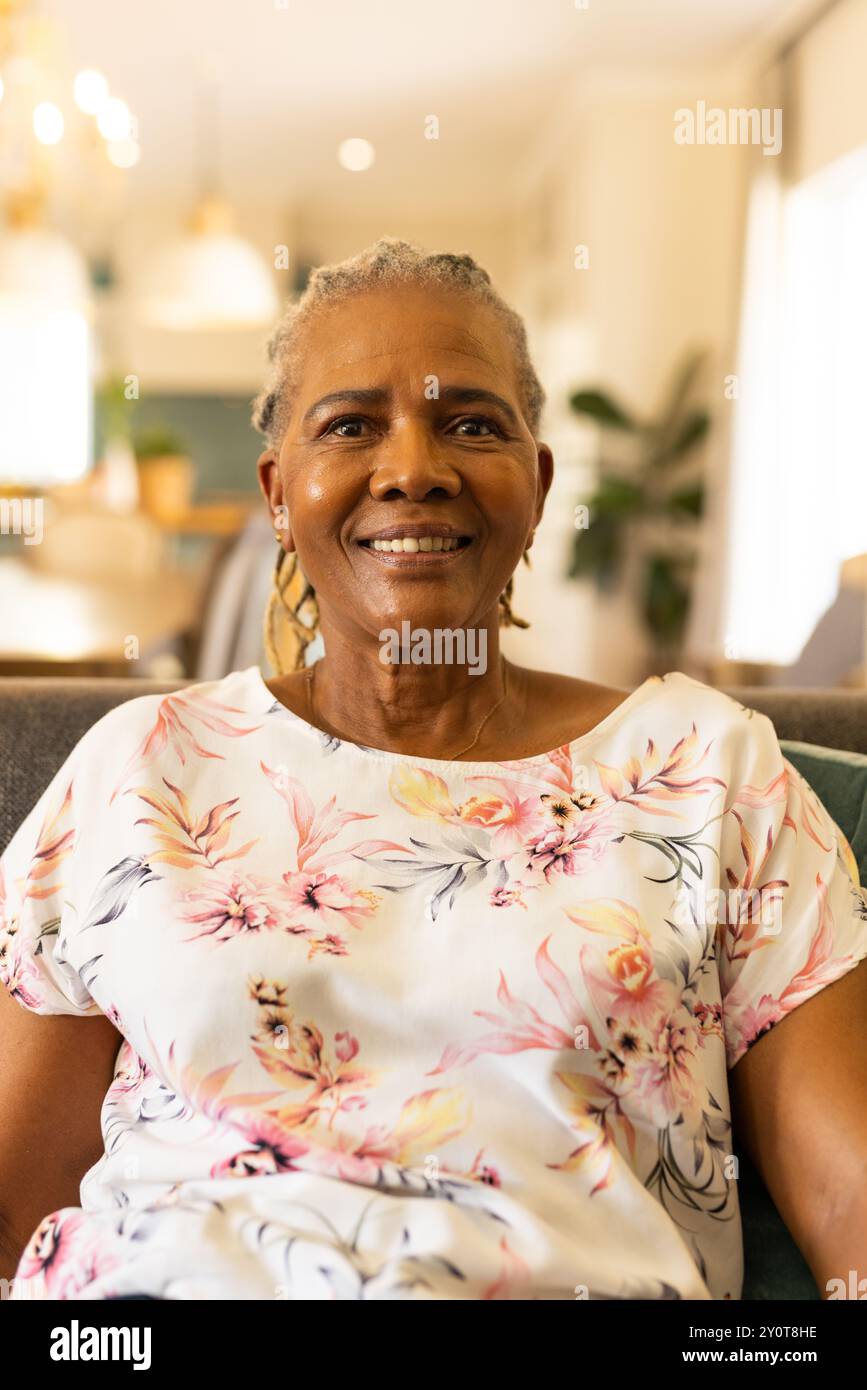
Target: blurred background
[(673, 195)]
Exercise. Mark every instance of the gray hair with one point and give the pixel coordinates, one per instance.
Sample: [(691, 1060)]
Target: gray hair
[(389, 261)]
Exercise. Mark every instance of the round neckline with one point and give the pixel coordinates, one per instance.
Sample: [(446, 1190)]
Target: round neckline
[(649, 686)]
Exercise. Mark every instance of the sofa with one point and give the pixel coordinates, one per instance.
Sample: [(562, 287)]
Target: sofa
[(42, 719)]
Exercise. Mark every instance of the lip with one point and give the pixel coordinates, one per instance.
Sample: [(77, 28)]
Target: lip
[(416, 560), (415, 529)]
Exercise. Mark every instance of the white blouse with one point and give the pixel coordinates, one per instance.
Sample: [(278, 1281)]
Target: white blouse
[(400, 1028)]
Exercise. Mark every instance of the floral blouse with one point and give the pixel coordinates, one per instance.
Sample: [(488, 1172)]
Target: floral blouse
[(399, 1028)]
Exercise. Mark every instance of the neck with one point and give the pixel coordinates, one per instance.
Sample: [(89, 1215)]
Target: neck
[(407, 707)]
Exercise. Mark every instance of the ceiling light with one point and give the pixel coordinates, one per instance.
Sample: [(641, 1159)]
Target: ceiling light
[(90, 89), (114, 121), (208, 279), (356, 155), (124, 154), (48, 123)]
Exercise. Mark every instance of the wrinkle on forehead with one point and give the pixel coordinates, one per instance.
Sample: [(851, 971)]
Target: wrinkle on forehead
[(391, 352), (355, 352)]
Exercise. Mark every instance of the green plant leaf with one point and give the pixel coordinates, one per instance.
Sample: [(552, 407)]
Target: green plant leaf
[(158, 442), (596, 552), (666, 596), (691, 432), (617, 496), (685, 378), (602, 408), (686, 501)]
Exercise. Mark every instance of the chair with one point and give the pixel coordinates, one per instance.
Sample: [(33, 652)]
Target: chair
[(94, 545)]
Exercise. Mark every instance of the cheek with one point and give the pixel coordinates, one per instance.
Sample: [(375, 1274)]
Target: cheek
[(320, 496), (507, 498)]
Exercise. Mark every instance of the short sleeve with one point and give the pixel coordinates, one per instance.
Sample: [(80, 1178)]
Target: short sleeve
[(35, 911), (793, 914)]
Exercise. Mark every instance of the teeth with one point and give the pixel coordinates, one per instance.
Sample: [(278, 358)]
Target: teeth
[(411, 545)]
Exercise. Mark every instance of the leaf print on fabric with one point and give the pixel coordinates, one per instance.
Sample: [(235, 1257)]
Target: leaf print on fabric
[(203, 1095), (330, 1085), (309, 903), (747, 1022), (115, 891), (521, 1027), (54, 843), (554, 770), (554, 833), (184, 839), (748, 909), (444, 870), (592, 1104), (593, 1108), (650, 1070), (350, 1262), (296, 1056), (317, 828), (421, 792), (124, 1105), (515, 1277), (660, 777), (171, 729)]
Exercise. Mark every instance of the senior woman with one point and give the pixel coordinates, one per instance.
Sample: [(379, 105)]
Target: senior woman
[(407, 978)]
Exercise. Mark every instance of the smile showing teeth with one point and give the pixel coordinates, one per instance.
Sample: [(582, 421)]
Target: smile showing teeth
[(411, 545)]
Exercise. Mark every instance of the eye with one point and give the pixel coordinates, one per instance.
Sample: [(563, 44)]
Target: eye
[(353, 421), (477, 421)]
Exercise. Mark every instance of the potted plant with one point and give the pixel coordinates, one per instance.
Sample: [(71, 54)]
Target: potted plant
[(646, 505), (166, 474)]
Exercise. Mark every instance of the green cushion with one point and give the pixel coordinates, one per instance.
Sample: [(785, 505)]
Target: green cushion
[(773, 1265), (840, 782)]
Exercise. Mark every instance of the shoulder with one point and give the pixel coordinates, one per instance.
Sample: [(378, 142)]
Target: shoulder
[(184, 724), (234, 693), (662, 707)]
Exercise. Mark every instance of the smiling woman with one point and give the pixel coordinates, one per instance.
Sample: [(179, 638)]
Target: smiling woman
[(487, 1045)]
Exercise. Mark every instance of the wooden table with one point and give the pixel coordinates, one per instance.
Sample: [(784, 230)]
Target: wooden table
[(51, 625)]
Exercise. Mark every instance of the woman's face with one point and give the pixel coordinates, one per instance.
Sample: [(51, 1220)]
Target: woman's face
[(407, 423)]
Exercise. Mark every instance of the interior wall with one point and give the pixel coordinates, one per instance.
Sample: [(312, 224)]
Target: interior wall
[(659, 222)]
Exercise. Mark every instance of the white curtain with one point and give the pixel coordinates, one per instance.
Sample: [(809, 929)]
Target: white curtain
[(790, 503)]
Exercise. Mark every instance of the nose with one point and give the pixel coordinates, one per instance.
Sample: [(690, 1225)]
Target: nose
[(410, 465)]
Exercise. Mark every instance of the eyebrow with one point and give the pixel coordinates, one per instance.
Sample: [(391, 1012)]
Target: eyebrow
[(377, 395)]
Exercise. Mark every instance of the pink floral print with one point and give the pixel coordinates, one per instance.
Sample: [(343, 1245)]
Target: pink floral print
[(475, 1047)]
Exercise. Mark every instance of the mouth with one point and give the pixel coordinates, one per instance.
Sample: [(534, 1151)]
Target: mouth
[(415, 544)]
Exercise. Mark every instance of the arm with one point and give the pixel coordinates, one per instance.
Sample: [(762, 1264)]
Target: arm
[(54, 1073), (799, 1106)]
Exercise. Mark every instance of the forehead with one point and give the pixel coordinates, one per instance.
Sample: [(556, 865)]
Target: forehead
[(390, 331)]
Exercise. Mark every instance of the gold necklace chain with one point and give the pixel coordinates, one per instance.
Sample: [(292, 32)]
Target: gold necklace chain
[(309, 677)]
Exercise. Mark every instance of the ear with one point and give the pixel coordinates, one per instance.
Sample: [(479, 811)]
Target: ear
[(544, 479), (271, 487)]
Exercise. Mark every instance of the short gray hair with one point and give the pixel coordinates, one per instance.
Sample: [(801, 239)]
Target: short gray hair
[(389, 261)]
